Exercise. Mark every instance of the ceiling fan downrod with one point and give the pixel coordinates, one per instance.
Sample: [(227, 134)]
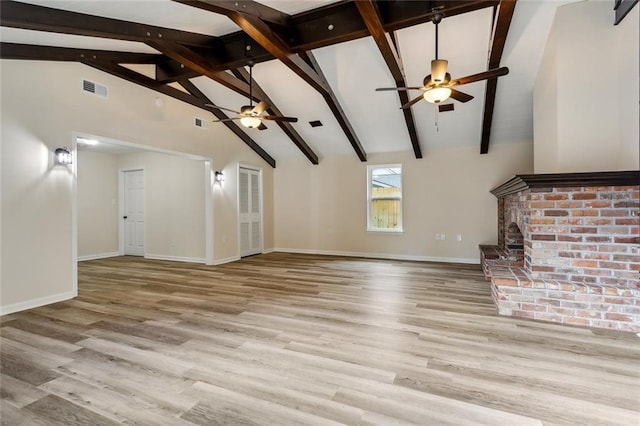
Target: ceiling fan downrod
[(436, 20), (251, 84), (438, 66)]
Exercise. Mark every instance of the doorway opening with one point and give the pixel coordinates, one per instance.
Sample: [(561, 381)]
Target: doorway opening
[(137, 200)]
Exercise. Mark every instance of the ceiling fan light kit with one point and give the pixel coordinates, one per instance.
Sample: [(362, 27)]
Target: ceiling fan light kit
[(437, 94), (250, 122)]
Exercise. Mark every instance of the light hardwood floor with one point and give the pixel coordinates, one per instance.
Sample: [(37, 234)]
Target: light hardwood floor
[(284, 339)]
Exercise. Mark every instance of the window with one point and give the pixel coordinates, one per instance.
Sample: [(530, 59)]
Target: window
[(384, 198)]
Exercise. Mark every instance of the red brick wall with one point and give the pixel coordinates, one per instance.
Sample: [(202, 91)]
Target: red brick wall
[(587, 235), (587, 305)]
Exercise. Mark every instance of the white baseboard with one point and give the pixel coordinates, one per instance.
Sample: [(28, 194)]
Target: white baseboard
[(269, 250), (98, 256), (34, 303), (226, 260), (175, 258), (381, 256)]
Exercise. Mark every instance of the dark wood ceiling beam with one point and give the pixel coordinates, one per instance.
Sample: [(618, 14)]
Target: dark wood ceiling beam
[(240, 85), (501, 24), (64, 54), (340, 22), (387, 46), (40, 18), (402, 14), (237, 130), (306, 67), (622, 8), (168, 71), (149, 83), (196, 62), (308, 30), (271, 41), (286, 127), (224, 7)]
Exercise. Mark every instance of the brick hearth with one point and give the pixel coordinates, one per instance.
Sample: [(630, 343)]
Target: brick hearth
[(568, 249)]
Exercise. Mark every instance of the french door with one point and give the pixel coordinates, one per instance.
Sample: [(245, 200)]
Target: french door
[(250, 211)]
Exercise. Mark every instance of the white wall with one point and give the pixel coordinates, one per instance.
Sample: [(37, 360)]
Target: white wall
[(174, 205), (586, 104), (36, 265), (42, 105), (323, 209), (97, 204)]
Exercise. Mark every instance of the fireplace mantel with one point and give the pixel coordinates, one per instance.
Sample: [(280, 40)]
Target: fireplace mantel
[(562, 180)]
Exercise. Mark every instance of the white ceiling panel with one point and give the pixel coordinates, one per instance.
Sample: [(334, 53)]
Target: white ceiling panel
[(294, 97), (295, 6), (162, 13), (513, 112), (354, 70)]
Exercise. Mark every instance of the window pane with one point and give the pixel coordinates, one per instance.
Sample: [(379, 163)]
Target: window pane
[(385, 197), (386, 177), (389, 192), (385, 214)]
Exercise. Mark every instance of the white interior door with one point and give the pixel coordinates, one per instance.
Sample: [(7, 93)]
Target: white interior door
[(134, 212), (250, 195)]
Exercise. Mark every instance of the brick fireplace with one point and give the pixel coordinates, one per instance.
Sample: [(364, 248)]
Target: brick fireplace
[(568, 249)]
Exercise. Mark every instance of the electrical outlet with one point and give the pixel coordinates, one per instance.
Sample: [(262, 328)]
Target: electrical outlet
[(443, 237), (459, 238)]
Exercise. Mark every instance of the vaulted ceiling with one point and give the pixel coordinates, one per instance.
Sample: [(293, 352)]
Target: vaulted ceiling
[(315, 60)]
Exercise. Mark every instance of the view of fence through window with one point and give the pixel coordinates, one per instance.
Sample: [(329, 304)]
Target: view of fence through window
[(386, 198)]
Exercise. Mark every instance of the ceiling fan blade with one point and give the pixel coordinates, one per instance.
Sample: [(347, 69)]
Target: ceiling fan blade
[(493, 73), (226, 119), (279, 118), (222, 108), (460, 96), (262, 126), (259, 109), (411, 102), (438, 70), (382, 89)]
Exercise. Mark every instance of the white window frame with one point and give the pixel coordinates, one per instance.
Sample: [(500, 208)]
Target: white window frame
[(370, 228)]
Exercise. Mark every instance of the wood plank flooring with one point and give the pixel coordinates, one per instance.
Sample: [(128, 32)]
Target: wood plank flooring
[(283, 339)]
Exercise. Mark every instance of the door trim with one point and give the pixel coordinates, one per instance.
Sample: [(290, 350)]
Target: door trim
[(121, 202), (260, 182)]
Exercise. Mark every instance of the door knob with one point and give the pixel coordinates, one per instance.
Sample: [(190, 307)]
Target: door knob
[(124, 217)]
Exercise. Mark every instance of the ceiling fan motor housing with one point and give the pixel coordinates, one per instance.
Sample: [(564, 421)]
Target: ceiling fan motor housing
[(246, 110), (427, 82)]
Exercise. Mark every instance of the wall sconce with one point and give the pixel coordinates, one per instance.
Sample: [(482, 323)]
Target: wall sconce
[(63, 156), (219, 177)]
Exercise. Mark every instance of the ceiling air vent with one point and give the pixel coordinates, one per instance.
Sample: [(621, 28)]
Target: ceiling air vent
[(315, 123), (94, 88), (199, 122)]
